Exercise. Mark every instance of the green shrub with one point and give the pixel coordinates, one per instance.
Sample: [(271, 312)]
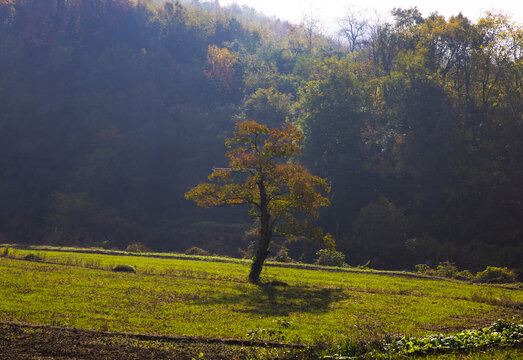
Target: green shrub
[(464, 275), (32, 257), (197, 251), (283, 256), (137, 247), (423, 268), (447, 269), (5, 252), (491, 274), (124, 268), (444, 269), (496, 275), (327, 257)]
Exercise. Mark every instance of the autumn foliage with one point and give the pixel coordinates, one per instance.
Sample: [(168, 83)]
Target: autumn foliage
[(282, 193), (220, 67)]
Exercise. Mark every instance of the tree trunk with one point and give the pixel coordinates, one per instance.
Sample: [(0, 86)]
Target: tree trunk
[(261, 254), (264, 239)]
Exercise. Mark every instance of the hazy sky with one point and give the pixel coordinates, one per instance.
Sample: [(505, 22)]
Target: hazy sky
[(329, 11)]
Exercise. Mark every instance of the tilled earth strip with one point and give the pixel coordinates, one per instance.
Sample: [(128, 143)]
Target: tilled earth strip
[(26, 341)]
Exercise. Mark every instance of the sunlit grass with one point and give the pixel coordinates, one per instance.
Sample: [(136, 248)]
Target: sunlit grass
[(213, 299)]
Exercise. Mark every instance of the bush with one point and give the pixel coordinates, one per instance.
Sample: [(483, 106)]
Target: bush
[(464, 275), (32, 257), (423, 269), (446, 269), (5, 252), (124, 268), (137, 247), (496, 275), (327, 257), (197, 251), (283, 256), (490, 275)]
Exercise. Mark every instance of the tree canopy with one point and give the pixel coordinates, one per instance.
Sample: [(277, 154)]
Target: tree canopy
[(262, 173)]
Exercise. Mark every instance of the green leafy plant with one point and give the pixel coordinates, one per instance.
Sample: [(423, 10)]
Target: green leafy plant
[(137, 247), (423, 268), (195, 250), (446, 269), (496, 275), (328, 257), (500, 332), (464, 275)]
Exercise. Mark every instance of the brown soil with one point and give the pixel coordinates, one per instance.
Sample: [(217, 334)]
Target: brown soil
[(23, 342)]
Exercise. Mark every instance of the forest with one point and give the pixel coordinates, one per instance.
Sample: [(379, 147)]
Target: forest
[(110, 110)]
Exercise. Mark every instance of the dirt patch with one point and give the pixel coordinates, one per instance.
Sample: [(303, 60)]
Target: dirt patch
[(24, 341)]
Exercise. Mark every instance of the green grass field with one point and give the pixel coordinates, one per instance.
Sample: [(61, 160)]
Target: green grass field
[(212, 299)]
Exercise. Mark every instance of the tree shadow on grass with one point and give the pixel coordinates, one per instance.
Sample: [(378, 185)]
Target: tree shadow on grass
[(268, 300)]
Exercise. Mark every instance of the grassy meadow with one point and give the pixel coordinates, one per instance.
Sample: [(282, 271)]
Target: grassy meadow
[(212, 299)]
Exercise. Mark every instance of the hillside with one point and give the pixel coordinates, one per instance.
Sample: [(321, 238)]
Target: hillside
[(112, 109), (205, 299)]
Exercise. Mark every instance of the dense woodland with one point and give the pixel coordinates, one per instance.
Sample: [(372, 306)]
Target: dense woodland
[(111, 109)]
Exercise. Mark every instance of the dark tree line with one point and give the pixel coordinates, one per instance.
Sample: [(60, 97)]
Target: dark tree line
[(110, 109), (105, 111), (420, 134)]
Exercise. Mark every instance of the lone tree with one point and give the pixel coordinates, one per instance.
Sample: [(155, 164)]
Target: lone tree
[(282, 193)]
